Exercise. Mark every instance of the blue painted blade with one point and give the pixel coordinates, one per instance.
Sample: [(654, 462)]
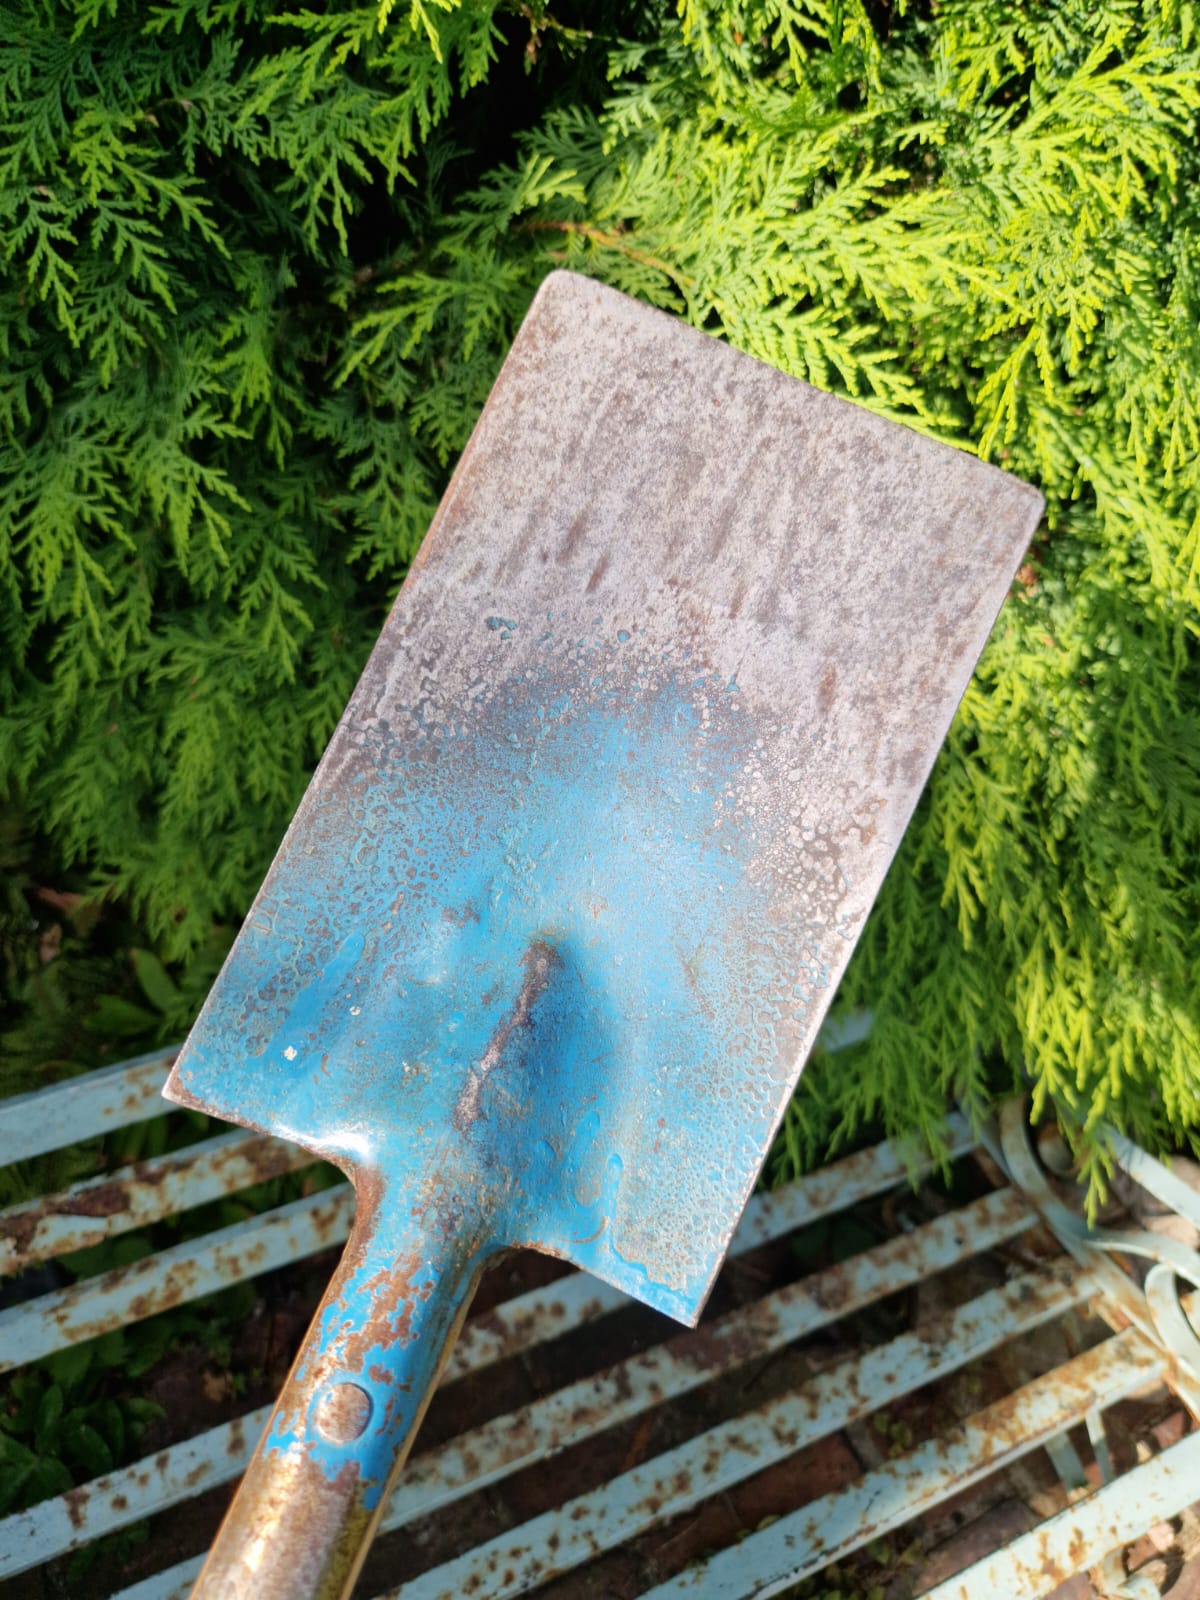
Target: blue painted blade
[(560, 914)]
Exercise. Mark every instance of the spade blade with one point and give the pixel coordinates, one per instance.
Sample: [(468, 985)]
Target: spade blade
[(558, 919)]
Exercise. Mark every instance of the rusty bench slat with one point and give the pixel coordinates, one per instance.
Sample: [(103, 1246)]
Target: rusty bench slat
[(632, 1389), (84, 1107), (1085, 1532), (485, 1455), (828, 1529), (173, 1277), (522, 1560), (124, 1497), (140, 1194)]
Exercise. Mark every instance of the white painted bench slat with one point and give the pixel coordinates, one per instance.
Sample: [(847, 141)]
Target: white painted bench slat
[(676, 1480)]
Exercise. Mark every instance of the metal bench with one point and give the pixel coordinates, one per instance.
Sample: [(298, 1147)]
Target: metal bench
[(588, 1447)]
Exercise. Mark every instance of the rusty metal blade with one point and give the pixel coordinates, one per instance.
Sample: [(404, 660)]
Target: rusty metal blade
[(550, 936), (587, 855)]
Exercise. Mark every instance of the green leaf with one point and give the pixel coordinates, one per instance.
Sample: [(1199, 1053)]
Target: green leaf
[(110, 1348), (48, 1477), (49, 1416), (116, 1018), (16, 1476), (150, 1342), (89, 1262), (69, 1367), (807, 1245), (24, 1398), (108, 1419), (848, 1237), (87, 1448), (130, 1247), (140, 1413), (156, 985)]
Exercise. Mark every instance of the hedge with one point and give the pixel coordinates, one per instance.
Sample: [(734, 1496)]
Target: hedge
[(261, 263)]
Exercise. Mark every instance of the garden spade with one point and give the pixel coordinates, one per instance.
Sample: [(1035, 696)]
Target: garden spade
[(541, 956)]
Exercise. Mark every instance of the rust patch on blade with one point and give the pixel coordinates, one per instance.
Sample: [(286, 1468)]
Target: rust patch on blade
[(540, 962)]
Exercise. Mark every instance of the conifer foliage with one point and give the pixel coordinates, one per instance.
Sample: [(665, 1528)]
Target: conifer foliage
[(262, 262)]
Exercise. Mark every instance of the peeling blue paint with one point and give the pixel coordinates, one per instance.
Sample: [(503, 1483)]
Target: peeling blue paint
[(559, 917), (590, 830)]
